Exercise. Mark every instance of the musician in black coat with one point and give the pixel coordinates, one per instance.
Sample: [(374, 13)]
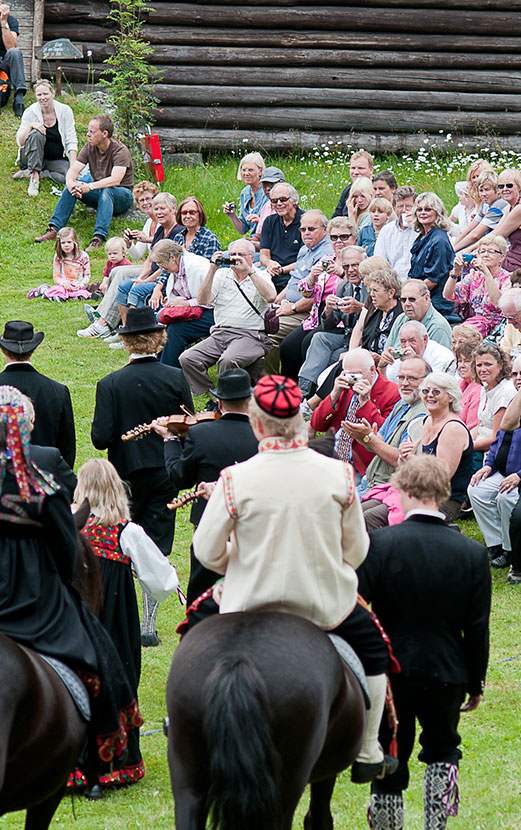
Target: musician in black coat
[(138, 393), (208, 448), (430, 587), (54, 423)]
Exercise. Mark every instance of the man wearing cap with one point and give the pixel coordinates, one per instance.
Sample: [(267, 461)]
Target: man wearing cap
[(280, 239), (298, 536), (240, 295), (54, 421), (208, 448), (270, 177), (138, 393)]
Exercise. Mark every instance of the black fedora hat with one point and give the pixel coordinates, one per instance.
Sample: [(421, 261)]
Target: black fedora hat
[(19, 337), (232, 385), (140, 321)]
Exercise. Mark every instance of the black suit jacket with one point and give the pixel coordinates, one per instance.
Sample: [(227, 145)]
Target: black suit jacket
[(209, 448), (430, 587), (136, 394), (49, 460), (54, 423)]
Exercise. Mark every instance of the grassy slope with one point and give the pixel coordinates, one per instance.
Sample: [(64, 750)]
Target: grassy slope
[(491, 742)]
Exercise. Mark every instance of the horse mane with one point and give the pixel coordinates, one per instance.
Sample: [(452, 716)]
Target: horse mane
[(87, 576)]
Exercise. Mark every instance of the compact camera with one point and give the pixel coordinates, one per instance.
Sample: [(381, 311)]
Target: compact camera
[(398, 354), (352, 377), (230, 205), (224, 259), (468, 257)]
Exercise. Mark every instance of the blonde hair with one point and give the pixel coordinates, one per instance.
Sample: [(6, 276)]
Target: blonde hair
[(379, 203), (479, 164), (253, 158), (150, 342), (363, 154), (487, 177), (469, 334), (423, 477), (99, 482), (66, 233), (432, 202), (372, 264), (115, 242), (498, 240), (513, 174)]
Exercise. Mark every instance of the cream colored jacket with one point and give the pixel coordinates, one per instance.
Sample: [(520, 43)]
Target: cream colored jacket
[(296, 529)]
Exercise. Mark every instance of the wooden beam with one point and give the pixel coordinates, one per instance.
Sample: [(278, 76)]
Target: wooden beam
[(36, 64), (204, 140)]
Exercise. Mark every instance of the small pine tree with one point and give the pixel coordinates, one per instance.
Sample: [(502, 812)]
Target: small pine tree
[(128, 78)]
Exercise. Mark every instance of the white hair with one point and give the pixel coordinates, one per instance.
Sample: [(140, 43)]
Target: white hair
[(250, 245), (367, 360), (417, 325), (322, 216), (253, 158), (512, 296), (447, 382)]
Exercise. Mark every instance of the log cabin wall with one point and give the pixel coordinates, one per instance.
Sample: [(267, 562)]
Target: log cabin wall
[(29, 14), (285, 74)]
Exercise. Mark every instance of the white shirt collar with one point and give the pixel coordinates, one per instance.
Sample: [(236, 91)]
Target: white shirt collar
[(140, 356), (424, 512)]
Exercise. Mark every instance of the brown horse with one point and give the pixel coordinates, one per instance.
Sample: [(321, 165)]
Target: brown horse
[(41, 731), (259, 704)]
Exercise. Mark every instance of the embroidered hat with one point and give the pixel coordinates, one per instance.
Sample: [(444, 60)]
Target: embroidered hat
[(278, 396)]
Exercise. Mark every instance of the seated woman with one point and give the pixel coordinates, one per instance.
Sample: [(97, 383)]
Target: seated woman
[(252, 199), (443, 435), (360, 197), (38, 607), (380, 212), (509, 187), (481, 286), (321, 283), (138, 241), (470, 388), (175, 293), (376, 321), (492, 368), (195, 236), (493, 489), (432, 253), (465, 334), (46, 138)]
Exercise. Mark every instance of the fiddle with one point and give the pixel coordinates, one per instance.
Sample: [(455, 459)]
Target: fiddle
[(173, 505), (176, 424)]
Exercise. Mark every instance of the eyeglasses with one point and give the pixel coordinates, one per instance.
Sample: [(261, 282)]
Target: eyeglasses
[(488, 251), (508, 186), (279, 199), (343, 237), (428, 391), (311, 229), (516, 374)]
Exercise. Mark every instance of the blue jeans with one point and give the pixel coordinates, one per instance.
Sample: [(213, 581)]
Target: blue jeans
[(130, 294), (108, 201), (183, 334)]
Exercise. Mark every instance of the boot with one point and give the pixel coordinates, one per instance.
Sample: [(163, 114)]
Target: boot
[(148, 624), (371, 762), (440, 788), (385, 811)]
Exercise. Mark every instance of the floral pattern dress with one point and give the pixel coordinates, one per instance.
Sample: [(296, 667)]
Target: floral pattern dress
[(472, 288)]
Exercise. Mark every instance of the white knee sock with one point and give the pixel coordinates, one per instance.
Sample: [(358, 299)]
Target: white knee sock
[(372, 752)]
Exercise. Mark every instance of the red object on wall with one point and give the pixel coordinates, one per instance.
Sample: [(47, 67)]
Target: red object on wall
[(153, 156)]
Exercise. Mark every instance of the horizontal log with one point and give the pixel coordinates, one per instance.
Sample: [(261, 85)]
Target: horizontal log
[(311, 118), (360, 18), (286, 96), (205, 140), (75, 12), (479, 5), (392, 79), (253, 56), (333, 40)]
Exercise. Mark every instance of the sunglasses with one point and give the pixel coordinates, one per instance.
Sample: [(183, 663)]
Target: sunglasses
[(434, 392), (409, 299), (508, 186), (279, 199), (310, 229), (189, 212), (343, 237)]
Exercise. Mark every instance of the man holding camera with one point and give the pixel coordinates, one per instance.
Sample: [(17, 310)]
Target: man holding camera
[(240, 295), (359, 392)]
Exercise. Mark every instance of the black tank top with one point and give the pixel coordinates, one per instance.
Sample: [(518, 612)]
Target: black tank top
[(461, 478)]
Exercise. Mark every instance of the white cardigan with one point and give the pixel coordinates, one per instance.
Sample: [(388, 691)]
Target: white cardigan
[(64, 117), (196, 268)]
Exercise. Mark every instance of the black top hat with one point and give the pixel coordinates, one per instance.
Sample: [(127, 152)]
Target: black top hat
[(232, 385), (20, 338), (140, 321)]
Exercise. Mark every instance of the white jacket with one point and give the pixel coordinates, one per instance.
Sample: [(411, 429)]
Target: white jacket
[(196, 268), (64, 117)]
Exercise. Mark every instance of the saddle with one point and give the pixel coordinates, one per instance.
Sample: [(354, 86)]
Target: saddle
[(351, 659), (75, 687)]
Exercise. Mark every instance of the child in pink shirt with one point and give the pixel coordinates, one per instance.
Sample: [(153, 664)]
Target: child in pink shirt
[(70, 270)]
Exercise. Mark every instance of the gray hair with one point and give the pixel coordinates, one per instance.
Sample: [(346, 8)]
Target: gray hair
[(449, 384), (164, 249), (357, 248), (292, 193), (342, 222), (250, 245), (366, 358), (165, 199), (419, 284), (420, 328), (323, 218), (282, 427), (252, 158), (512, 296)]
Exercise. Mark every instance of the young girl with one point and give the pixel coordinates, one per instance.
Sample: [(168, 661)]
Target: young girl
[(70, 270), (380, 212), (116, 249), (122, 546)]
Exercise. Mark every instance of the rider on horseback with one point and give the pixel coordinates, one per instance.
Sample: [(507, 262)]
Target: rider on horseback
[(296, 535)]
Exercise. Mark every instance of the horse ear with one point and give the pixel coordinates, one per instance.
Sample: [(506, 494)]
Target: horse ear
[(82, 514)]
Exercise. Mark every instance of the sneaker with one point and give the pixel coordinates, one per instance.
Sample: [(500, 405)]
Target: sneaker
[(94, 330), (514, 577), (34, 187), (92, 314), (117, 345), (22, 174), (112, 338)]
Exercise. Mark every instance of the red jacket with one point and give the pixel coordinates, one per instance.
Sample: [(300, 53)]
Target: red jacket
[(384, 395)]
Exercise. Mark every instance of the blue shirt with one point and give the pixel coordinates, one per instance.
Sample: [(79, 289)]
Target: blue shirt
[(432, 256), (245, 207), (204, 243), (307, 257)]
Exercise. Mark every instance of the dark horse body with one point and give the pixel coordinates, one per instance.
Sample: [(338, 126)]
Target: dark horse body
[(41, 731), (259, 704)]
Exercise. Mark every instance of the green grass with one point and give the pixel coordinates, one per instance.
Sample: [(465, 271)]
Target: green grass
[(490, 788)]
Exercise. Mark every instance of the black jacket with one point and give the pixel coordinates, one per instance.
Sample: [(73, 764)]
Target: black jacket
[(209, 448), (430, 587), (54, 423), (136, 394), (49, 460)]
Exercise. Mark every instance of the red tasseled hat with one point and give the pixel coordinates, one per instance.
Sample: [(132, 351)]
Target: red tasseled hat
[(278, 396)]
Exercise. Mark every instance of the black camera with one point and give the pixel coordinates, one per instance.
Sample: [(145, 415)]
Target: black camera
[(224, 259)]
